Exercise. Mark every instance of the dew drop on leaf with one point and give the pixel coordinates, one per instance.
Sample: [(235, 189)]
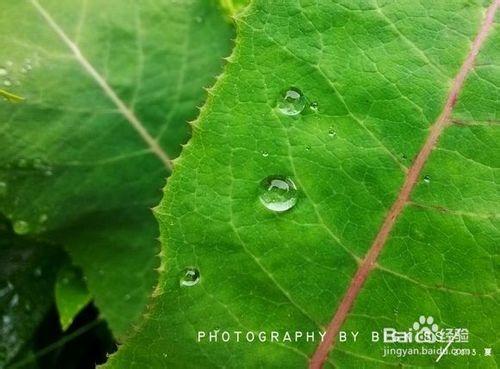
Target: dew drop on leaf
[(43, 218), (265, 154), (3, 71), (38, 272), (427, 179), (21, 227), (190, 276), (278, 193), (3, 188), (7, 83), (331, 132), (314, 106), (292, 102)]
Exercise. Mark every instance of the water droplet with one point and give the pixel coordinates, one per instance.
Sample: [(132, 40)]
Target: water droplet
[(190, 277), (21, 227), (265, 154), (278, 193), (292, 102), (22, 163), (127, 297), (65, 280), (331, 132), (314, 106), (3, 71), (308, 148), (14, 301), (9, 63), (3, 188), (37, 272), (43, 218), (199, 19), (7, 83), (427, 179), (404, 156)]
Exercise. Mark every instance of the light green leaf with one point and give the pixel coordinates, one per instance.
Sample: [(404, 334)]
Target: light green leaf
[(109, 87), (71, 294), (379, 82)]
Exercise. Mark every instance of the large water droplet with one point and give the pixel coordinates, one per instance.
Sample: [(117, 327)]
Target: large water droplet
[(292, 102), (190, 276), (21, 227), (278, 193)]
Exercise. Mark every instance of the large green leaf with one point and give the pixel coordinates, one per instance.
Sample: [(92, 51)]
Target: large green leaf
[(108, 88), (379, 81)]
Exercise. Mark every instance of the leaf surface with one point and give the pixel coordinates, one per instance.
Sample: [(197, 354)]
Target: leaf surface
[(27, 276), (71, 294), (109, 87), (381, 75)]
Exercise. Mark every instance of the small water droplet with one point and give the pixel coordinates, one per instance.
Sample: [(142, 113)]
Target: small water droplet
[(190, 276), (14, 301), (199, 19), (21, 227), (9, 63), (292, 102), (427, 179), (404, 156), (65, 280), (265, 154), (37, 272), (3, 188), (48, 172), (43, 218), (314, 106), (22, 163), (127, 297), (278, 193), (7, 83), (3, 71), (331, 132), (308, 148)]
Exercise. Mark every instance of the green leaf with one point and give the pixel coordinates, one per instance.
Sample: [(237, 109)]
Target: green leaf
[(379, 83), (27, 275), (109, 87), (71, 294)]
